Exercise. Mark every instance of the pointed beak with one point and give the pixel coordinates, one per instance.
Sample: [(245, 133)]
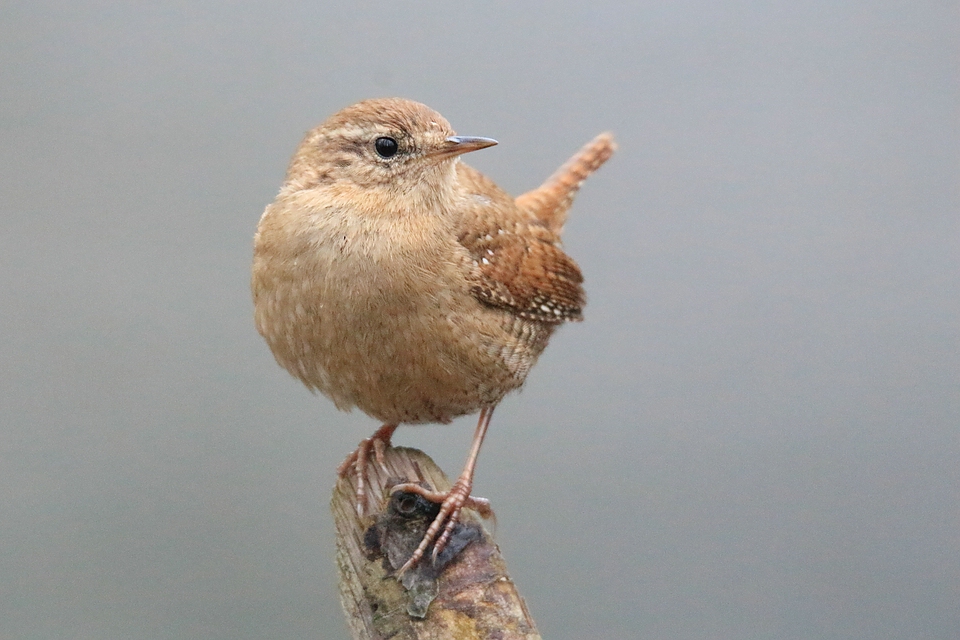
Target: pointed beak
[(456, 145)]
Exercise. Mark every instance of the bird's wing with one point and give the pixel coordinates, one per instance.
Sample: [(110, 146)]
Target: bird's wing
[(518, 263)]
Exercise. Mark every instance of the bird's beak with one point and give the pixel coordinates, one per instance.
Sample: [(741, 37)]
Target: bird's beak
[(455, 145)]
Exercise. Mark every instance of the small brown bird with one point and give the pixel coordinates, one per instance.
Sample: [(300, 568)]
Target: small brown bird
[(390, 276)]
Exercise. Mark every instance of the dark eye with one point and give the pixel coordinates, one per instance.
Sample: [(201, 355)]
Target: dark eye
[(386, 147)]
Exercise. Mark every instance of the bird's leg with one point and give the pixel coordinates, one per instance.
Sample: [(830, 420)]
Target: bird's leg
[(359, 459), (452, 501)]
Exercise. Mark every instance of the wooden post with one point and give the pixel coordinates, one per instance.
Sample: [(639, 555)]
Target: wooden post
[(468, 597)]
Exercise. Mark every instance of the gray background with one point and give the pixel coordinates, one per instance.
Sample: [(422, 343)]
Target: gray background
[(753, 435)]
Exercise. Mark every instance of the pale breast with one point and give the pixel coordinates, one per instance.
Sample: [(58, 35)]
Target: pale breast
[(385, 321)]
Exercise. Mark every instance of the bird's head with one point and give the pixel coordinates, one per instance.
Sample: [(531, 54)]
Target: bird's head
[(382, 147)]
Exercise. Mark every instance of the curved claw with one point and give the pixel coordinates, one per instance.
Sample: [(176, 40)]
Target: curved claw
[(451, 503), (358, 460), (441, 542)]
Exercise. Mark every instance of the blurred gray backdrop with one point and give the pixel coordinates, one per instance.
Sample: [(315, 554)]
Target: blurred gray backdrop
[(753, 435)]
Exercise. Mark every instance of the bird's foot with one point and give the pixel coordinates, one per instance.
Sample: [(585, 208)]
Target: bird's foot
[(359, 460), (451, 503)]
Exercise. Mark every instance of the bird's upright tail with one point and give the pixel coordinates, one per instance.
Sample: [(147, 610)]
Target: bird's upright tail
[(550, 201)]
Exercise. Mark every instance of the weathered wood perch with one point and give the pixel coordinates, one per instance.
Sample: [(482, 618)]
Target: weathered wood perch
[(468, 597)]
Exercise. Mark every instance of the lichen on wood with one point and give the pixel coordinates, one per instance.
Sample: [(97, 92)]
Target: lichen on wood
[(467, 595)]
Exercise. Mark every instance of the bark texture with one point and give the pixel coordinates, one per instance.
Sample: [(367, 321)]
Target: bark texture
[(466, 594)]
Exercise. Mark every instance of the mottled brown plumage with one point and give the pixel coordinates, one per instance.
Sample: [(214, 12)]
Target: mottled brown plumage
[(392, 277)]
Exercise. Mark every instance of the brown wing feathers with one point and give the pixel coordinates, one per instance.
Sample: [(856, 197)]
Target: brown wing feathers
[(516, 244), (526, 274)]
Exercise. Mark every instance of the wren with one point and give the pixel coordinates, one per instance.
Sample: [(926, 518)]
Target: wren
[(392, 277)]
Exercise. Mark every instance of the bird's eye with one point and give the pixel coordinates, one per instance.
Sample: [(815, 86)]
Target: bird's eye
[(386, 147)]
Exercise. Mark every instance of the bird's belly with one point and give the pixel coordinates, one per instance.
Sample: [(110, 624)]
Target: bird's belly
[(400, 355)]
